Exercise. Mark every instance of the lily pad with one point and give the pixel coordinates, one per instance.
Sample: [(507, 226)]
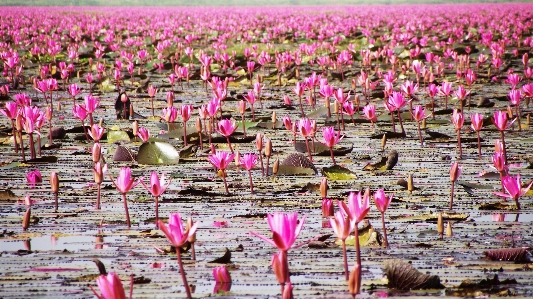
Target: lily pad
[(338, 173), (158, 153), (114, 136), (403, 276), (294, 170)]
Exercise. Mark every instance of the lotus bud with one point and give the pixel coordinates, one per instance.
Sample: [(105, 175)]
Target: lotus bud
[(268, 148), (135, 127), (170, 99), (455, 172), (221, 275), (509, 112), (259, 142), (274, 119), (287, 291), (26, 219), (383, 142), (275, 168), (54, 182), (198, 125), (279, 265), (353, 281), (18, 123), (192, 238), (410, 185), (327, 207), (440, 225), (97, 152), (324, 188), (237, 159), (424, 125), (131, 110), (528, 119), (208, 126), (48, 112), (449, 232), (123, 98)]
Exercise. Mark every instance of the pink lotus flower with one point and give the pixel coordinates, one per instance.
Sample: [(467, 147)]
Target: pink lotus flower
[(514, 189), (251, 99), (382, 203), (144, 134), (99, 170), (175, 232), (306, 127), (152, 91), (185, 112), (221, 160), (221, 274), (178, 236), (327, 207), (477, 121), (157, 185), (170, 114), (461, 94), (225, 128), (498, 160), (342, 226), (458, 121), (370, 113), (111, 286), (477, 125), (125, 183), (331, 138), (91, 104), (10, 111), (79, 112), (34, 177), (358, 206), (381, 200), (96, 132), (500, 120), (285, 229)]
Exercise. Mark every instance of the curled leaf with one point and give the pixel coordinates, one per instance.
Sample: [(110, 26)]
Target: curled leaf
[(507, 254), (403, 276)]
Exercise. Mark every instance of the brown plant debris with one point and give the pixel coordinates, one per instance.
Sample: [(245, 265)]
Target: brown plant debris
[(508, 254), (403, 276)]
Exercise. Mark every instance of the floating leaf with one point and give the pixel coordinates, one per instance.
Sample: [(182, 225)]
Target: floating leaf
[(158, 153), (123, 153), (294, 170), (339, 173), (114, 136), (403, 276), (298, 160), (45, 159), (367, 238)]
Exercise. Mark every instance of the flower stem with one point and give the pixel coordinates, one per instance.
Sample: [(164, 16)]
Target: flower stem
[(22, 148), (225, 183), (346, 273), (392, 121), (32, 146), (55, 201), (503, 145), (15, 136), (182, 271), (478, 144), (126, 210), (261, 160), (459, 143), (97, 207), (185, 134), (251, 182), (301, 106), (358, 254), (451, 195), (152, 100), (243, 126), (229, 144), (400, 120), (518, 117), (332, 157), (420, 134), (267, 164), (385, 241), (157, 211), (308, 149)]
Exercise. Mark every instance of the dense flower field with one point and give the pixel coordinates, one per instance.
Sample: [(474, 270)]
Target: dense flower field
[(263, 126)]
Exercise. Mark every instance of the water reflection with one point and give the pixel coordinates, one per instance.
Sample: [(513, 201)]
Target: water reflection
[(501, 217)]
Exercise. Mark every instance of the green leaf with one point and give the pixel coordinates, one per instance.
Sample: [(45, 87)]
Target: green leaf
[(337, 172), (114, 136), (158, 153)]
